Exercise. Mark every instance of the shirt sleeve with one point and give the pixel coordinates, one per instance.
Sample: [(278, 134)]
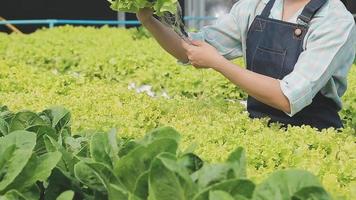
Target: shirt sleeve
[(329, 48), (224, 35)]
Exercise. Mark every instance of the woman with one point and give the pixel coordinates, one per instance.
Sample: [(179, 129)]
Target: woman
[(298, 55)]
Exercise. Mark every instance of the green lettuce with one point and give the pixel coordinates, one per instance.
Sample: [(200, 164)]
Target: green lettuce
[(133, 6)]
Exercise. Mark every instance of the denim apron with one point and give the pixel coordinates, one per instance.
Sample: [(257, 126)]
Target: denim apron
[(273, 49)]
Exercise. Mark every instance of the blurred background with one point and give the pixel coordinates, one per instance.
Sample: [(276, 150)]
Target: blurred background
[(202, 10)]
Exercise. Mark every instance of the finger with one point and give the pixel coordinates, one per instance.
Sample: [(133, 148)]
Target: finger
[(197, 43)]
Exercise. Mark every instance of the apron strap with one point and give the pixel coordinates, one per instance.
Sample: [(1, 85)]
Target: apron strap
[(310, 10), (267, 11)]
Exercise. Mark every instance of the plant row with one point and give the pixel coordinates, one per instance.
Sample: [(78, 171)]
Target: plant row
[(40, 159), (125, 57), (71, 67), (114, 55), (216, 127)]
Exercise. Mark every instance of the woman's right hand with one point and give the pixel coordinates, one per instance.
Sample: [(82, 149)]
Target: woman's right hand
[(144, 14)]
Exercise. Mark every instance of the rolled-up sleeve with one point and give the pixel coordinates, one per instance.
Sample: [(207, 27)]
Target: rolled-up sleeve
[(224, 35), (328, 56)]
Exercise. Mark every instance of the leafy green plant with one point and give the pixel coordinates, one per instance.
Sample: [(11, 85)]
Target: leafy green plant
[(141, 33), (21, 168), (159, 6), (35, 149), (88, 70), (101, 54), (102, 166)]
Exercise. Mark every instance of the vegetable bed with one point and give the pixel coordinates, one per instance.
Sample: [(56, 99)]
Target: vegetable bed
[(45, 162), (88, 71)]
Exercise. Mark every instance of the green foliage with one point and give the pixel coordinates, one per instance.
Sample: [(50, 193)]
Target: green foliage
[(88, 71), (152, 169), (112, 55), (349, 101), (23, 168), (133, 6), (293, 184), (67, 195), (16, 151), (141, 33)]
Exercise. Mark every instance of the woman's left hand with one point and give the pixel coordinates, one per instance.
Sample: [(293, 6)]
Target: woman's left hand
[(202, 54)]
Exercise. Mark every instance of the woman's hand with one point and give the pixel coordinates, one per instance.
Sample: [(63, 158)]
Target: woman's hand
[(202, 54), (144, 14)]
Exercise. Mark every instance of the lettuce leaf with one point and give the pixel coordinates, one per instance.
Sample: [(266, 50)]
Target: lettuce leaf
[(133, 6)]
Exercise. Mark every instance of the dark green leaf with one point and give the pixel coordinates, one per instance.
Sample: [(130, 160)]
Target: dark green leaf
[(169, 160), (191, 162), (76, 145), (13, 195), (141, 186), (115, 193), (5, 114), (41, 131), (4, 127), (168, 180), (58, 183), (165, 185), (32, 193), (68, 160), (161, 133), (104, 149), (234, 168), (234, 187), (285, 184), (211, 173), (127, 147), (89, 177), (37, 169), (24, 120), (96, 176), (3, 108), (311, 193), (105, 173), (21, 144), (130, 167), (59, 117), (237, 159)]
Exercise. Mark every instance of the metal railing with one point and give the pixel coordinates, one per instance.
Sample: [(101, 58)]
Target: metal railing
[(53, 22)]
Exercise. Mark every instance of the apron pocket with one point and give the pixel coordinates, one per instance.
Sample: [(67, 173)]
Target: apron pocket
[(268, 62)]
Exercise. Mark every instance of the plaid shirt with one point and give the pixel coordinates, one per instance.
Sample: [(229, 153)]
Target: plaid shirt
[(329, 48)]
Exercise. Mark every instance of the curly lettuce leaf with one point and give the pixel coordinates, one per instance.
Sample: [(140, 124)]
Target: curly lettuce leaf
[(133, 6)]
